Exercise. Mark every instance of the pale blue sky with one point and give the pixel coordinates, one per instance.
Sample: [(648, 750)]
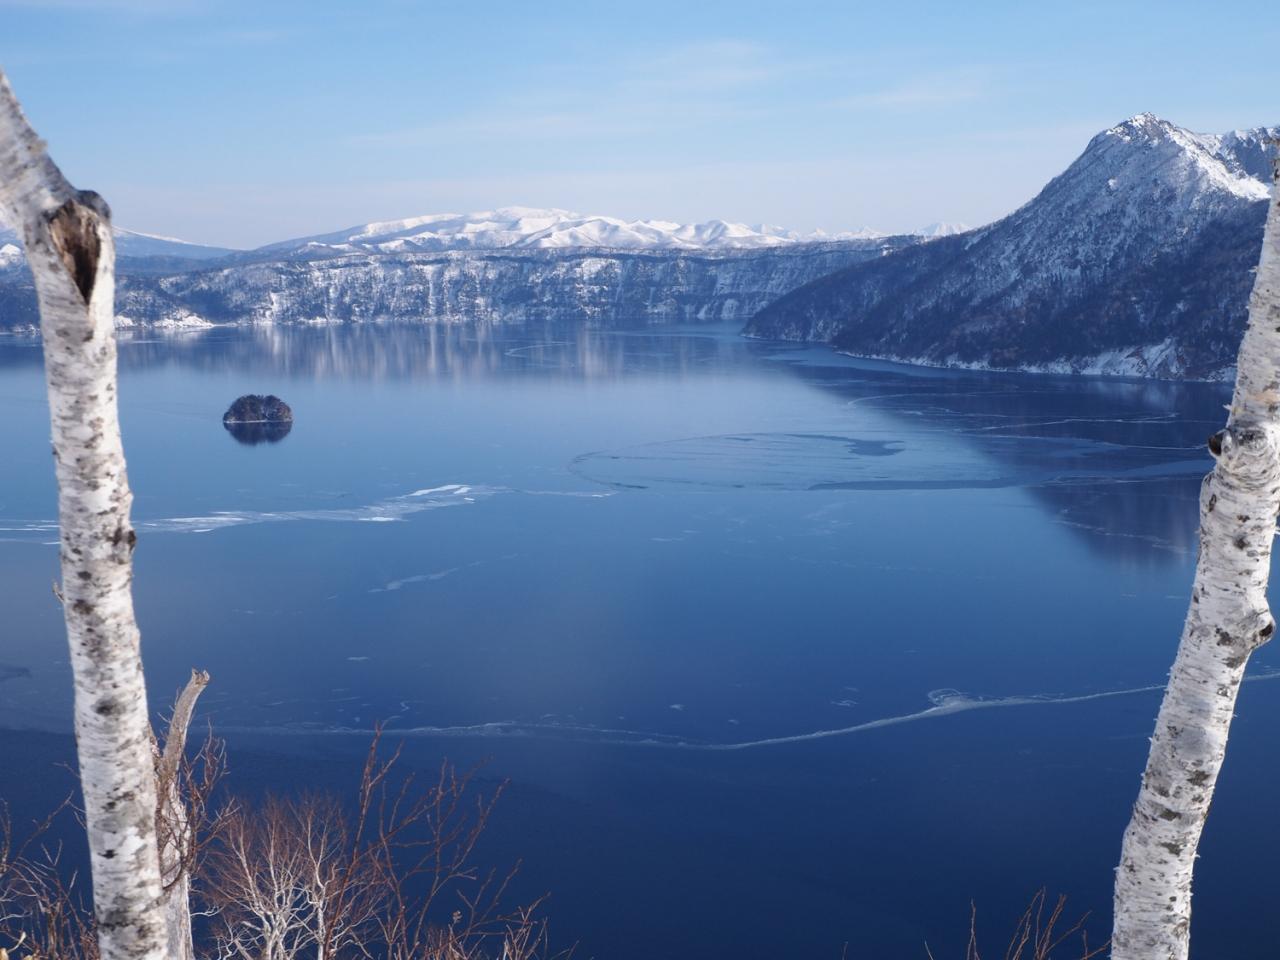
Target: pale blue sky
[(244, 122)]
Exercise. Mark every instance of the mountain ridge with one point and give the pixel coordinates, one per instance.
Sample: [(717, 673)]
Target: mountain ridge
[(1135, 261), (506, 228), (503, 228)]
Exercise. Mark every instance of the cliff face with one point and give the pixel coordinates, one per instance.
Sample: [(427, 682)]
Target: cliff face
[(548, 287), (1135, 261)]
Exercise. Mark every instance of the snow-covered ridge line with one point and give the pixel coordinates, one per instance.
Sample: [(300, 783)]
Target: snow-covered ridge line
[(531, 227), (503, 228), (1228, 161)]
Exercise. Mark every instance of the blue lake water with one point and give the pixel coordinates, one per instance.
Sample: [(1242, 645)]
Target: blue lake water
[(781, 650)]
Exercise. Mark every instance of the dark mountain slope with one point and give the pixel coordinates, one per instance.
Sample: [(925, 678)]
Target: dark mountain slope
[(1137, 260)]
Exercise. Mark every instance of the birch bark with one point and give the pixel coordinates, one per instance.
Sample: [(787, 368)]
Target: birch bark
[(69, 247), (1228, 619)]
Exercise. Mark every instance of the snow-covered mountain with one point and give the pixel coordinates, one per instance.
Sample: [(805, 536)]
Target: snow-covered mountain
[(531, 228), (534, 228), (506, 228), (1137, 260), (941, 229), (511, 266)]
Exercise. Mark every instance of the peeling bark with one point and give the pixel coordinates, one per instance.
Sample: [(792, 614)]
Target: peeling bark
[(1228, 620), (69, 247)]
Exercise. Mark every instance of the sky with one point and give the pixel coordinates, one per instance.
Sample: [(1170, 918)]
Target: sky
[(241, 123)]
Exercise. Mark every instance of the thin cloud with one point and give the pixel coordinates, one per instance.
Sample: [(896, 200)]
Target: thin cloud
[(936, 91), (606, 119), (670, 89), (690, 87), (719, 65)]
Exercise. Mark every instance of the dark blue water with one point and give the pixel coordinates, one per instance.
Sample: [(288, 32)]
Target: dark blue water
[(781, 650)]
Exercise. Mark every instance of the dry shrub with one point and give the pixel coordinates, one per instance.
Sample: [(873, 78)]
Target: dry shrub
[(393, 878), (390, 877), (1041, 933), (43, 915)]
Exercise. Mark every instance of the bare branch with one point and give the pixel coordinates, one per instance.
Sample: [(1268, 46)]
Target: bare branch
[(302, 878), (175, 738), (1037, 935)]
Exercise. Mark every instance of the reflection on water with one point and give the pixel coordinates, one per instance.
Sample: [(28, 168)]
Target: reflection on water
[(1116, 461), (254, 432), (801, 461), (377, 352)]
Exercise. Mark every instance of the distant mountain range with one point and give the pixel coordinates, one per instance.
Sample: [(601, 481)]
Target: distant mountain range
[(507, 228), (522, 270), (528, 228), (1135, 261), (515, 265)]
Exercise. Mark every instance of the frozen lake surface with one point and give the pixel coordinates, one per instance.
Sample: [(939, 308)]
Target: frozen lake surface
[(783, 649)]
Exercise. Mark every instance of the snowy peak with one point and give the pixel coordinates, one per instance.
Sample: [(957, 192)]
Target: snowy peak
[(1141, 126), (941, 229), (529, 227), (1236, 163)]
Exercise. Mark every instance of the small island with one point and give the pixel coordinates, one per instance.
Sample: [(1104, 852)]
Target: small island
[(256, 408), (256, 418)]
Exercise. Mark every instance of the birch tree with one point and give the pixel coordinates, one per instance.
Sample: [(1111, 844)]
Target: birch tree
[(1228, 619), (69, 247)]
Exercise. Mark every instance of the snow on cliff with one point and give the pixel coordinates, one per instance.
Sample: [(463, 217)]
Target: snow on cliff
[(1136, 259)]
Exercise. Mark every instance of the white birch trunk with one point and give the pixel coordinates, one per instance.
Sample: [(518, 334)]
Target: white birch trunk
[(1228, 620), (69, 248)]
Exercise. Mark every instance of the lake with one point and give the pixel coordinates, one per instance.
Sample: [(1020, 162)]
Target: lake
[(781, 650)]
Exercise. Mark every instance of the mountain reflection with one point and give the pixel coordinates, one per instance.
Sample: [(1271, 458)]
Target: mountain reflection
[(377, 352), (261, 431), (1148, 435), (1116, 462), (1151, 522)]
